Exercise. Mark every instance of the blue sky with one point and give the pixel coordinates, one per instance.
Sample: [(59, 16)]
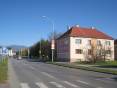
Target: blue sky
[(21, 21)]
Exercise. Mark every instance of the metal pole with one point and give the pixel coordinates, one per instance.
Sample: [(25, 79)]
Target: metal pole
[(28, 53), (40, 49), (54, 42), (52, 55)]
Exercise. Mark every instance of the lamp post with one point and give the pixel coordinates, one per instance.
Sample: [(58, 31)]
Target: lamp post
[(53, 40), (28, 53), (40, 50)]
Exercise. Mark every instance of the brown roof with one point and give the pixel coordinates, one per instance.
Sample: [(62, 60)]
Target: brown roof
[(85, 32)]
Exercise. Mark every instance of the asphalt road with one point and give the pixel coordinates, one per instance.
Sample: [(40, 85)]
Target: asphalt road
[(28, 74)]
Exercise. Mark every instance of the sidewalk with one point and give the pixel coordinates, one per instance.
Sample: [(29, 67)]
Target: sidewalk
[(6, 85), (13, 81)]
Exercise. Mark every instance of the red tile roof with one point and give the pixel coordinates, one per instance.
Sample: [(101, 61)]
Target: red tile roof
[(86, 32)]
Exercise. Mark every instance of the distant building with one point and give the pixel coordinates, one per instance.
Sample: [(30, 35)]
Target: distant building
[(7, 51), (11, 52), (3, 51), (0, 50), (116, 49), (77, 43)]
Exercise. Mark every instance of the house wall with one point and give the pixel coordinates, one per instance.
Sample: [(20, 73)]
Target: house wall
[(115, 51), (111, 47), (73, 46), (84, 46), (63, 48)]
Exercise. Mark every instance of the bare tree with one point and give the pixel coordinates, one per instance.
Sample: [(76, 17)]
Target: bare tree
[(55, 34), (100, 53)]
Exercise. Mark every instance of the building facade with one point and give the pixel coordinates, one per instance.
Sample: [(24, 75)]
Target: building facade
[(115, 49), (4, 51), (84, 44)]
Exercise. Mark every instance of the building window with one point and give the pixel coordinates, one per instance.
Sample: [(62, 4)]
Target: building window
[(66, 42), (107, 43), (89, 51), (79, 51), (78, 41), (108, 52), (98, 42), (89, 42)]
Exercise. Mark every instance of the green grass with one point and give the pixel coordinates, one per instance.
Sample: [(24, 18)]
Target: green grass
[(101, 63), (3, 70), (114, 63)]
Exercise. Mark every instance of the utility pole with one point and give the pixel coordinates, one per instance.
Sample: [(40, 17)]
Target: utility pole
[(40, 50), (28, 53)]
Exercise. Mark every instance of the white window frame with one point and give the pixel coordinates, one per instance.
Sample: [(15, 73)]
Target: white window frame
[(78, 41)]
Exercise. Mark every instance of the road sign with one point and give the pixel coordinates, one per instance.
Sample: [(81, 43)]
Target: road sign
[(53, 44)]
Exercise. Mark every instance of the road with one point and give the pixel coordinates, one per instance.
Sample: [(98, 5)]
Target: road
[(40, 75)]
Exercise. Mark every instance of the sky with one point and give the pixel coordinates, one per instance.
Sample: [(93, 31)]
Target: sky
[(22, 22)]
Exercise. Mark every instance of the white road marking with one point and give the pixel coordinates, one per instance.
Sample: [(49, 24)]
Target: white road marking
[(44, 73), (71, 84), (99, 87), (24, 85), (83, 82), (41, 85), (57, 85)]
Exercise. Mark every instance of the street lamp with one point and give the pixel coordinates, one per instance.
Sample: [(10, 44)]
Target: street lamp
[(53, 40), (40, 49), (28, 53)]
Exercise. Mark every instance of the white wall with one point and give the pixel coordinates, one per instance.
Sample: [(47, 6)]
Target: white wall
[(73, 46), (111, 48)]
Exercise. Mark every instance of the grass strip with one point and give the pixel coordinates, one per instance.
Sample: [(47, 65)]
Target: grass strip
[(3, 70)]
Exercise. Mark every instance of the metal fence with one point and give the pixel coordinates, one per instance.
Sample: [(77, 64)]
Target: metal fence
[(2, 58)]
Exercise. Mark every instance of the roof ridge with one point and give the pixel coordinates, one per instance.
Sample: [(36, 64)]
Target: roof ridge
[(86, 32)]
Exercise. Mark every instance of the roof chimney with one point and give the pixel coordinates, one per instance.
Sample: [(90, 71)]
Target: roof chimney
[(68, 27), (77, 25), (92, 27)]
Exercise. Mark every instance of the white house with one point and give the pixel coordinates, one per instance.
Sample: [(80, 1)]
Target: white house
[(11, 52), (3, 51), (78, 44), (7, 51), (0, 50)]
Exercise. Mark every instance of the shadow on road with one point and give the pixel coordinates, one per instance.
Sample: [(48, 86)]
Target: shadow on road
[(36, 60), (114, 78)]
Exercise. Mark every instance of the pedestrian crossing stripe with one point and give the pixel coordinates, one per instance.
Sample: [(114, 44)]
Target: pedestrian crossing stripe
[(57, 85), (41, 85), (24, 85), (71, 84)]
